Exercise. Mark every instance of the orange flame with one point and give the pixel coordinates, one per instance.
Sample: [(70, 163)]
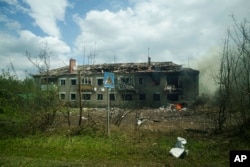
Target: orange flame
[(178, 106)]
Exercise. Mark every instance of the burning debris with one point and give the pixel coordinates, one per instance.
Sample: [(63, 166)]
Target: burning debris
[(178, 107), (173, 107)]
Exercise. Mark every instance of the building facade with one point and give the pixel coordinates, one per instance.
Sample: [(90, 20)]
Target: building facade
[(150, 84)]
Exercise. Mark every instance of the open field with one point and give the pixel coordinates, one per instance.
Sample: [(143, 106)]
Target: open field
[(128, 144)]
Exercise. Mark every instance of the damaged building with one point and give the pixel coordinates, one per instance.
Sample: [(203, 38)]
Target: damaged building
[(149, 84)]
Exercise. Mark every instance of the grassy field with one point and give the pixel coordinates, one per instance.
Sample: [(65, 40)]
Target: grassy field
[(140, 148), (126, 146)]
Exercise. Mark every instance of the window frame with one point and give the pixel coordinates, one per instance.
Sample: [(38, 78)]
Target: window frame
[(86, 81), (97, 97), (60, 96), (97, 82), (86, 93), (71, 79), (112, 94), (60, 81), (141, 81), (70, 96)]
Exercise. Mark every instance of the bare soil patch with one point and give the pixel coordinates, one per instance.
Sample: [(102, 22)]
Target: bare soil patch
[(159, 119)]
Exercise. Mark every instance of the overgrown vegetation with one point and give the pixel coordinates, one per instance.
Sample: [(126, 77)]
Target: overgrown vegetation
[(233, 95), (16, 98)]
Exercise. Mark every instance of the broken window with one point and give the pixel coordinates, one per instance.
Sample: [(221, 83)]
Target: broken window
[(173, 80), (156, 97), (126, 82), (112, 96), (87, 80), (141, 81), (173, 97), (142, 96), (62, 96), (45, 81), (62, 82), (72, 96), (127, 97), (156, 77), (86, 96), (73, 81), (99, 81), (99, 96)]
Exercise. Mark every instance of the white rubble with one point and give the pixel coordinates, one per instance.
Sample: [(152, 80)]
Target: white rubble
[(179, 148)]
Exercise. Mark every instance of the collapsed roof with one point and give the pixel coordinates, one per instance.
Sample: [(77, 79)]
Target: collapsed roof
[(116, 68)]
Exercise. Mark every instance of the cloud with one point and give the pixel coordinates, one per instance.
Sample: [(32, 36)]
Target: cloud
[(13, 50), (16, 4), (9, 23), (11, 2), (46, 14), (173, 30)]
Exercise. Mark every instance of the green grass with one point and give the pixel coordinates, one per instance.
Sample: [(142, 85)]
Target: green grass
[(140, 148)]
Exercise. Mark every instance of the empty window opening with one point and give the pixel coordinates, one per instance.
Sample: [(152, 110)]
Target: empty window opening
[(100, 81), (156, 77), (142, 96), (86, 96), (173, 97), (62, 96), (112, 96), (156, 97), (127, 97), (126, 82), (141, 81), (62, 82), (99, 96), (45, 81), (73, 82), (72, 96), (173, 80), (87, 80)]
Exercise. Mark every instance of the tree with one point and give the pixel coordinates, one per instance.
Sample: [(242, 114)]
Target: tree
[(224, 81), (241, 71), (234, 75), (46, 100)]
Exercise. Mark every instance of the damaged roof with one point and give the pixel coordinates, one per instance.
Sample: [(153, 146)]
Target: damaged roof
[(118, 68)]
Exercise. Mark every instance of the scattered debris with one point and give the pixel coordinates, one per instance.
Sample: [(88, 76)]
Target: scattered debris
[(140, 121), (170, 107), (83, 118), (184, 109), (162, 108), (179, 148), (173, 107)]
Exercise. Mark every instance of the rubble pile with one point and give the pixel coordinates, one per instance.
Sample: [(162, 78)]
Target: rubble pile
[(119, 68)]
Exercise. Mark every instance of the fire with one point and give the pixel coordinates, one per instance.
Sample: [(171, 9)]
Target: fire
[(178, 107)]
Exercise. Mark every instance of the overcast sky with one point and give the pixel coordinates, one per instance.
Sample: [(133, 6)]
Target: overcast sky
[(182, 31)]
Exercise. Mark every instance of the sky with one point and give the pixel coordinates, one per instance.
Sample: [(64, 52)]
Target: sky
[(186, 32)]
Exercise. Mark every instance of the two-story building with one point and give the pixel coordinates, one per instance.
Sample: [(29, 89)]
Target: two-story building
[(149, 84)]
